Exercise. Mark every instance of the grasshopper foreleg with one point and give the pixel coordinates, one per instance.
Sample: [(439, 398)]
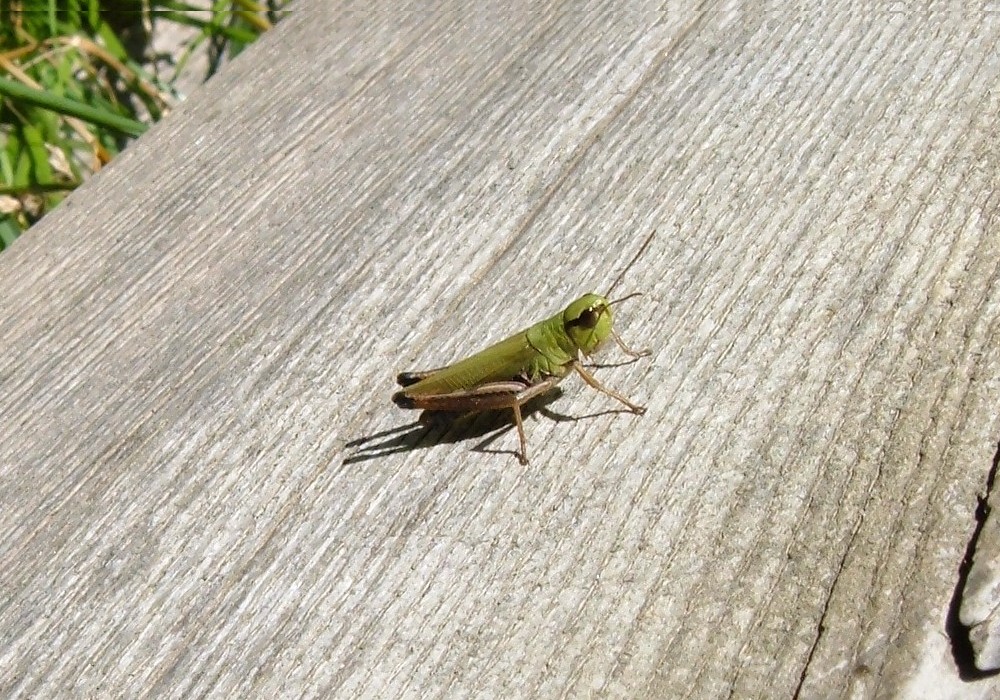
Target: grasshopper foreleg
[(626, 349)]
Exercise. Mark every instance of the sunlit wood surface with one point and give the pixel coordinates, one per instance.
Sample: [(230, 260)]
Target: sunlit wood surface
[(199, 491)]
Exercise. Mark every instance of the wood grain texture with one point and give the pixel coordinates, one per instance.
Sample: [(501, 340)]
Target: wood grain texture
[(200, 332)]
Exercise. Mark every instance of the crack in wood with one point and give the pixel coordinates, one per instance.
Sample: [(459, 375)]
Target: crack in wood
[(820, 628), (958, 633)]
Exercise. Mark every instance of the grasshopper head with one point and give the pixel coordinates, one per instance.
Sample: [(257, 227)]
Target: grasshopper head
[(588, 322)]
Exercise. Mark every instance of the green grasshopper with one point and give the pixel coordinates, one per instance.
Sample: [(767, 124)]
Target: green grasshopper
[(525, 365)]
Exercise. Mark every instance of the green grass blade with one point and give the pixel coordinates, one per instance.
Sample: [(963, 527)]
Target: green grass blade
[(72, 108)]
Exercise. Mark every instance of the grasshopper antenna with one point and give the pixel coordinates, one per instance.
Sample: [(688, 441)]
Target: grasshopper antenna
[(645, 244), (624, 298)]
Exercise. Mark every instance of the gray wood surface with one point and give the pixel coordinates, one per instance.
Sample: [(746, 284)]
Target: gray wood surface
[(192, 340)]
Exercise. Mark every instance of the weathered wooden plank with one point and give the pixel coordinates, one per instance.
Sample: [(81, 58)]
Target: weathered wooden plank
[(205, 327)]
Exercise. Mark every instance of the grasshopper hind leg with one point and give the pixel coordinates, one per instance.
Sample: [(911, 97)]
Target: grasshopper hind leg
[(510, 394)]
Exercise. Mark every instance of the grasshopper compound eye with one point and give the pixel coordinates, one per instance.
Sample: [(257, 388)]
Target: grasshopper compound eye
[(589, 318)]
